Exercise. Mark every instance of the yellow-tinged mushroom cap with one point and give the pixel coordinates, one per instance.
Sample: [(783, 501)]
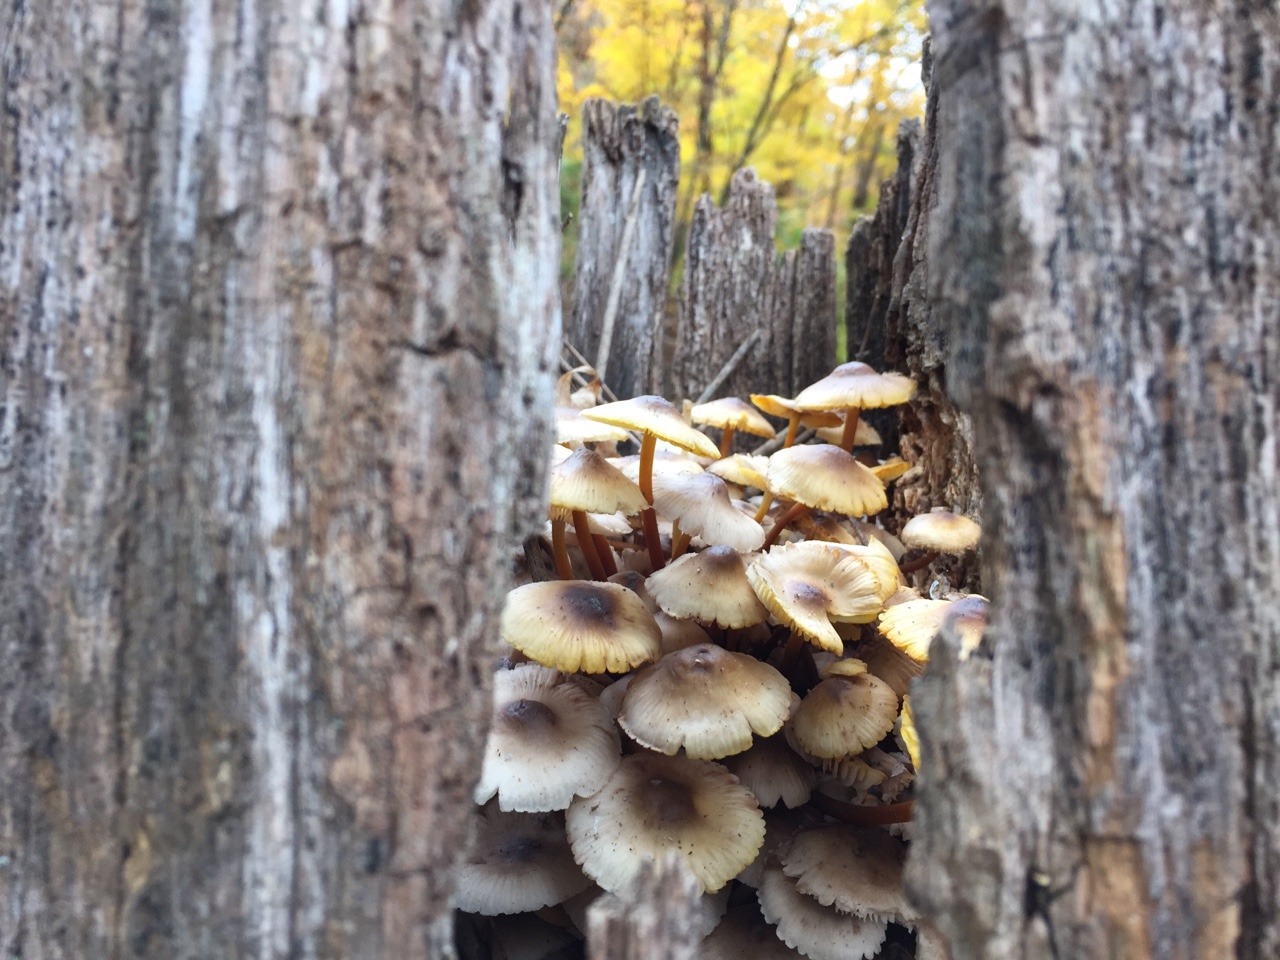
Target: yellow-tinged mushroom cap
[(911, 626), (842, 716), (943, 531), (706, 700), (654, 804), (856, 385), (776, 406), (907, 733), (774, 773), (586, 481), (655, 415), (573, 427), (744, 469), (864, 434), (732, 412), (807, 585), (825, 477), (711, 587), (700, 504), (575, 625), (890, 469)]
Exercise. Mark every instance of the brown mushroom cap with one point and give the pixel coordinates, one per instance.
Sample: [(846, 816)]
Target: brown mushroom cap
[(825, 477), (573, 427), (587, 481), (774, 773), (654, 804), (856, 870), (818, 932), (711, 587), (732, 412), (856, 385), (550, 741), (575, 625), (943, 531), (842, 716), (517, 862), (658, 416), (700, 504), (705, 700), (807, 585)]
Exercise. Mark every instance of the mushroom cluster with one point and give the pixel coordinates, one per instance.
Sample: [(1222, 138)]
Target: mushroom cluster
[(721, 669)]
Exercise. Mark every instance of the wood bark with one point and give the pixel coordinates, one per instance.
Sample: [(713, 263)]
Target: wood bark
[(1102, 778), (653, 921), (735, 284), (278, 311), (622, 143)]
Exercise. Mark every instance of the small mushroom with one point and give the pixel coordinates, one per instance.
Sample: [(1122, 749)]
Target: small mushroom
[(710, 586), (517, 862), (854, 387), (820, 933), (578, 625), (842, 716), (939, 531), (731, 415), (822, 477)]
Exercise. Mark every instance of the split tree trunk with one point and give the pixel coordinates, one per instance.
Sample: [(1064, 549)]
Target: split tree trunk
[(278, 307), (1102, 779)]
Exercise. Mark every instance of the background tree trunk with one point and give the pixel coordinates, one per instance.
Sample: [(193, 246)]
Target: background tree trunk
[(278, 306), (1102, 777)]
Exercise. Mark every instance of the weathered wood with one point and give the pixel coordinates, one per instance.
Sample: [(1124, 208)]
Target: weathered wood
[(1103, 778), (735, 282), (623, 144), (654, 921), (278, 307)]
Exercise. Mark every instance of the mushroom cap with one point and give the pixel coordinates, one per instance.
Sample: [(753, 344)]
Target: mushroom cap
[(654, 804), (605, 524), (943, 531), (774, 773), (744, 469), (856, 385), (586, 481), (827, 478), (776, 406), (706, 700), (575, 625), (711, 587), (573, 427), (890, 469), (842, 716), (890, 664), (700, 504), (732, 412), (517, 862), (664, 464), (654, 415), (907, 733), (744, 933), (550, 741), (819, 932), (911, 626), (844, 667), (879, 560), (864, 434), (856, 870), (807, 585)]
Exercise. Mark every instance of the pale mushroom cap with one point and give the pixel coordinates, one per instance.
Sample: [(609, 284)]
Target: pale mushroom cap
[(864, 434), (711, 587), (826, 478), (743, 934), (807, 585), (654, 415), (732, 412), (517, 862), (907, 733), (969, 617), (700, 504), (576, 626), (856, 385), (776, 406), (654, 804), (942, 531), (842, 716), (880, 561), (605, 524), (911, 626), (819, 932), (774, 773), (890, 469), (706, 700), (573, 427), (744, 469), (845, 667), (890, 664), (856, 870), (587, 481), (549, 742), (664, 463)]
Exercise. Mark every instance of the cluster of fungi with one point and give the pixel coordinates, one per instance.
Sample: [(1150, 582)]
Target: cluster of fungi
[(718, 667)]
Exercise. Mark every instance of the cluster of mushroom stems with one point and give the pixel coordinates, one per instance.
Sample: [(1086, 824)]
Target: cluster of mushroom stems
[(720, 668)]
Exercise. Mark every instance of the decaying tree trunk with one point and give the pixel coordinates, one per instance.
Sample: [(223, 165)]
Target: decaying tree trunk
[(654, 921), (1102, 778), (630, 173), (278, 310), (736, 287)]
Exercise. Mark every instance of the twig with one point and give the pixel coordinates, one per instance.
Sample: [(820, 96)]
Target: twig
[(730, 365), (615, 284), (604, 387)]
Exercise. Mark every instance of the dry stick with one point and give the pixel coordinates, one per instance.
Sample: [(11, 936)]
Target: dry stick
[(615, 284), (727, 370), (604, 387)]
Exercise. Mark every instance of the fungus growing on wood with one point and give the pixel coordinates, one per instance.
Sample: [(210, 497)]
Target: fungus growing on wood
[(517, 862), (911, 626), (774, 773), (585, 482), (710, 586), (822, 477), (700, 505), (744, 469), (939, 531), (853, 387), (743, 934), (572, 428), (731, 415), (820, 933), (842, 716), (855, 870), (776, 406)]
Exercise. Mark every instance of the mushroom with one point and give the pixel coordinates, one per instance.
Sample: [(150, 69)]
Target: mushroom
[(774, 773), (822, 477), (855, 870), (516, 862), (699, 504), (731, 415), (572, 428), (842, 716), (777, 406), (854, 387), (911, 626), (582, 483), (865, 435), (710, 586), (939, 531), (744, 933), (820, 933)]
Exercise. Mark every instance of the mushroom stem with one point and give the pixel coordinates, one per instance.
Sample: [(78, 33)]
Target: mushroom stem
[(605, 554), (587, 545), (726, 442), (863, 814), (652, 540), (793, 512), (679, 540), (793, 427), (647, 447), (560, 550), (850, 428), (920, 562), (766, 499), (791, 652)]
